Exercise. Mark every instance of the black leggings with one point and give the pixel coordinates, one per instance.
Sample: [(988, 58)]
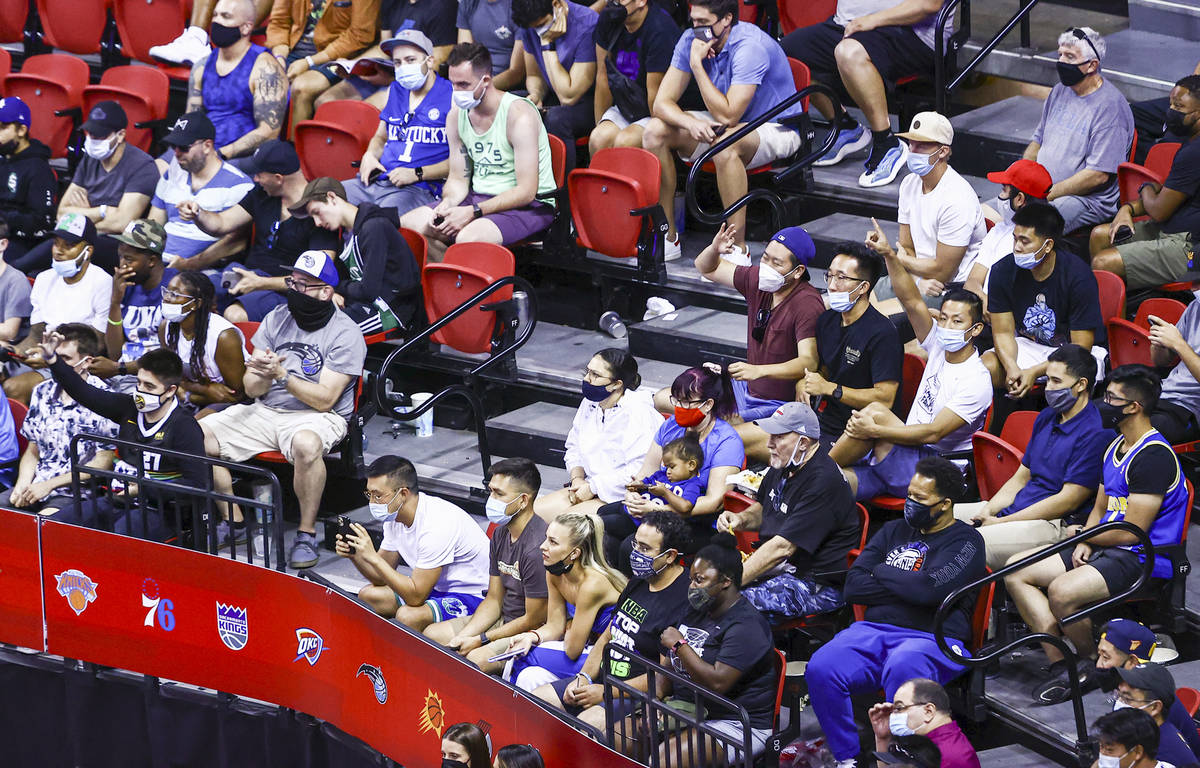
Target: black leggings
[(620, 528)]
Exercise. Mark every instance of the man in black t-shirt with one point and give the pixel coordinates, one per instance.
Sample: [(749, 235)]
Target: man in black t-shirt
[(860, 351), (1161, 248), (251, 289), (806, 519)]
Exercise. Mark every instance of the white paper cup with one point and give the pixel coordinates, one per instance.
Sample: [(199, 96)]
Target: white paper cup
[(425, 423)]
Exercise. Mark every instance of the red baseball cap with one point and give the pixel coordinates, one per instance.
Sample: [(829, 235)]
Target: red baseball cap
[(1027, 176)]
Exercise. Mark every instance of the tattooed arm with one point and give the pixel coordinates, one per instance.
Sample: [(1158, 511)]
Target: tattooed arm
[(270, 88), (195, 99)]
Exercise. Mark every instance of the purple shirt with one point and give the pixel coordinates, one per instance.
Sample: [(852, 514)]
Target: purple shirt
[(956, 751), (575, 45)]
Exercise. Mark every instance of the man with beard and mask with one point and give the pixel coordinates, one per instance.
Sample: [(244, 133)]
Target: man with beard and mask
[(197, 172), (439, 541), (922, 707), (307, 357), (1022, 182), (241, 86), (1040, 300), (408, 156), (1085, 132), (247, 290), (28, 185), (1161, 248), (1143, 485), (1051, 493), (382, 288), (806, 519), (112, 186), (902, 576)]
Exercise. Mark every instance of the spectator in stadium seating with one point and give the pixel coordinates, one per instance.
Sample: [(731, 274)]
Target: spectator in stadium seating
[(921, 706), (1085, 131), (212, 349), (806, 521), (724, 645), (654, 599), (15, 306), (43, 482), (557, 39), (741, 72), (249, 289), (941, 223), (1123, 733), (1143, 485), (609, 436), (1161, 249), (307, 36), (112, 186), (28, 186), (443, 546), (910, 752), (408, 156), (1177, 415), (497, 186), (868, 46), (907, 569), (198, 173), (1150, 687), (465, 745), (861, 358), (518, 756), (1051, 493), (877, 451), (1149, 120), (515, 600), (382, 290), (240, 86), (489, 23), (307, 357), (1039, 299), (192, 45), (583, 590), (1022, 183)]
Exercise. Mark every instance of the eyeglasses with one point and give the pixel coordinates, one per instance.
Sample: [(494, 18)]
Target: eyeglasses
[(1081, 35), (1112, 399), (838, 277), (180, 150), (175, 297), (759, 331), (300, 285), (375, 498), (1113, 698), (590, 375), (676, 403), (904, 707)]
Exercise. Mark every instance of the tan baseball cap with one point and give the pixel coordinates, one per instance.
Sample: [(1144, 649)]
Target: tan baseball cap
[(930, 127)]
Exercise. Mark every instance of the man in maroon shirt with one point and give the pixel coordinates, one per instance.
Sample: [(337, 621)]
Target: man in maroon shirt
[(921, 706)]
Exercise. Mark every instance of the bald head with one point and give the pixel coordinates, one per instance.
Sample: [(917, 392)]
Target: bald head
[(235, 13)]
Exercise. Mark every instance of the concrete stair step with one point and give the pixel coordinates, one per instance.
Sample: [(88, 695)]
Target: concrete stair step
[(1175, 18), (690, 336), (537, 431), (990, 138)]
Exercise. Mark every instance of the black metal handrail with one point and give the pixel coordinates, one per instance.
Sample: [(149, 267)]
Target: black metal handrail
[(777, 177), (1082, 743), (942, 89), (386, 405)]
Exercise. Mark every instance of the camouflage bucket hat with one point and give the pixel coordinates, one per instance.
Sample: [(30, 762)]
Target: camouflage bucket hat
[(144, 234)]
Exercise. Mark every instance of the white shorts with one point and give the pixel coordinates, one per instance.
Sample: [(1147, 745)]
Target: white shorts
[(244, 431), (614, 116), (1030, 353), (775, 141), (733, 729)]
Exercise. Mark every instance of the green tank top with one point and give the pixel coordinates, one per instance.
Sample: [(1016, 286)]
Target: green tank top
[(494, 170)]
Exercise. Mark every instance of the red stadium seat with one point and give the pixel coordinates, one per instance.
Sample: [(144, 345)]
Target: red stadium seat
[(248, 329), (336, 136), (73, 25), (1189, 698), (558, 159), (1163, 308), (794, 14), (738, 502), (5, 67), (417, 245), (140, 90), (618, 181), (50, 82), (13, 16), (801, 76), (1112, 294), (467, 269), (1018, 428), (995, 462), (144, 24), (1128, 343), (1157, 167), (910, 379)]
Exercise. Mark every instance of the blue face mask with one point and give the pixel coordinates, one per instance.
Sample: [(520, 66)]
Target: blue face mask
[(951, 339), (1060, 400), (642, 565), (595, 392), (497, 511), (898, 724), (1030, 260), (66, 269), (920, 164)]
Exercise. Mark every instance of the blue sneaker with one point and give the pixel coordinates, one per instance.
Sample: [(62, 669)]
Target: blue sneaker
[(887, 170), (849, 141)]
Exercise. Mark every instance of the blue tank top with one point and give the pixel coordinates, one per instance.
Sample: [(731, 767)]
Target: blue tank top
[(228, 100), (1167, 526), (416, 139), (603, 617)]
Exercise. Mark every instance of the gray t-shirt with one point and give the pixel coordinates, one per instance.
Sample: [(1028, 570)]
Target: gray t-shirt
[(490, 24), (519, 566), (848, 10), (134, 173), (1181, 387), (339, 345), (14, 298), (1093, 133)]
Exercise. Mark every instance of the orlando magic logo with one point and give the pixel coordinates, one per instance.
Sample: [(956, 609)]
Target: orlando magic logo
[(375, 675), (309, 646), (232, 626), (311, 360)]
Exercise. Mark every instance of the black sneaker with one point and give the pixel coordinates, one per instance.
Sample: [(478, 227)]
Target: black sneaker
[(1058, 689)]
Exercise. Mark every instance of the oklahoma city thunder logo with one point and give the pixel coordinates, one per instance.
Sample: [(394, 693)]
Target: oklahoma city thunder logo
[(309, 646), (77, 588), (433, 716)]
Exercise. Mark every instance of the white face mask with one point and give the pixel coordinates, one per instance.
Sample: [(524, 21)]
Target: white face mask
[(173, 313), (769, 280), (842, 301), (898, 724), (539, 31), (466, 100), (497, 511), (1108, 761), (147, 402), (99, 149), (410, 76), (1005, 209), (380, 511), (951, 339), (68, 269)]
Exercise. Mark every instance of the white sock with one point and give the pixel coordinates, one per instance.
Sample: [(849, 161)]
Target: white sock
[(848, 763)]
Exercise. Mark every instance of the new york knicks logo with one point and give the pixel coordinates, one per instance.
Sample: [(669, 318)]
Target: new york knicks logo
[(309, 646), (378, 684), (79, 590), (232, 626), (433, 716)]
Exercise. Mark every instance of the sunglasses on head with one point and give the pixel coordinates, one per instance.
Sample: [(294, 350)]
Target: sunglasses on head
[(1081, 35)]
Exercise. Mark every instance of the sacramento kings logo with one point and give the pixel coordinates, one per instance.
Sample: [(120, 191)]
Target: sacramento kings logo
[(232, 626)]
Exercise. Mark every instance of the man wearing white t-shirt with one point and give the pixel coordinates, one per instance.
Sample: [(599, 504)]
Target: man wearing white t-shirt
[(444, 547), (941, 223), (878, 452)]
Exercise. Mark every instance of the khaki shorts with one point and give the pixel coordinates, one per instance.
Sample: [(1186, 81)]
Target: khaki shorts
[(1003, 540), (1153, 258), (775, 142), (244, 431)]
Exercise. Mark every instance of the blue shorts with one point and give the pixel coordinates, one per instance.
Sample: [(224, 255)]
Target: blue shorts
[(891, 476), (751, 408), (449, 605)]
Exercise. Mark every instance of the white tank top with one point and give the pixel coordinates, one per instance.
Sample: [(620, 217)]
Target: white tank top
[(216, 326)]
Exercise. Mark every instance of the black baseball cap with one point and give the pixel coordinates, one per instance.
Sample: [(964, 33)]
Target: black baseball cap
[(190, 128), (274, 156), (106, 118), (1152, 678)]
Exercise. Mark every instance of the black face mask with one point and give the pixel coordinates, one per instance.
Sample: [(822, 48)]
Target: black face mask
[(309, 313), (8, 147), (1069, 74), (561, 567), (919, 516), (1175, 124), (223, 36), (610, 16), (1111, 415), (1108, 679), (448, 763)]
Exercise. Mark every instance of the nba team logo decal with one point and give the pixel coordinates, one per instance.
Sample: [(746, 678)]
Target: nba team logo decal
[(309, 646), (433, 716), (378, 684), (79, 590), (160, 610), (232, 626)]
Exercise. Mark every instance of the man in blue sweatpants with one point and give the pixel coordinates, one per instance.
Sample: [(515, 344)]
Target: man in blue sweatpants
[(902, 576)]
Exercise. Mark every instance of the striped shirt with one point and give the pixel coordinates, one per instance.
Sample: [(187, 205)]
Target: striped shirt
[(224, 190)]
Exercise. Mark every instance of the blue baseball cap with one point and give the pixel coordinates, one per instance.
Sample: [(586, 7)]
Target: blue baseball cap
[(13, 110), (317, 264), (1130, 637), (796, 240)]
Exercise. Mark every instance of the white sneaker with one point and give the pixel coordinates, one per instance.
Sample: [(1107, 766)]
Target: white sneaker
[(738, 256), (188, 48), (672, 249)]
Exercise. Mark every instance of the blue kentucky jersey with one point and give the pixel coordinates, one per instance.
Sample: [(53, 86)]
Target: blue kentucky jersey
[(416, 138), (1167, 526)]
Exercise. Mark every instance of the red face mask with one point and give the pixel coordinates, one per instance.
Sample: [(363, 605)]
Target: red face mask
[(688, 417)]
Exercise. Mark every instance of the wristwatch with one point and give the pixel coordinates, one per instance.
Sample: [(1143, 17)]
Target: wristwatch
[(483, 638), (678, 643), (103, 212), (284, 378), (121, 369), (419, 171), (478, 210), (837, 393)]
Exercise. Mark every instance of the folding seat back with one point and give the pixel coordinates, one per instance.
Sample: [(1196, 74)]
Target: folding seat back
[(1127, 342), (995, 462), (335, 138), (140, 90), (604, 195), (73, 25), (13, 16), (49, 83), (147, 23), (468, 268)]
